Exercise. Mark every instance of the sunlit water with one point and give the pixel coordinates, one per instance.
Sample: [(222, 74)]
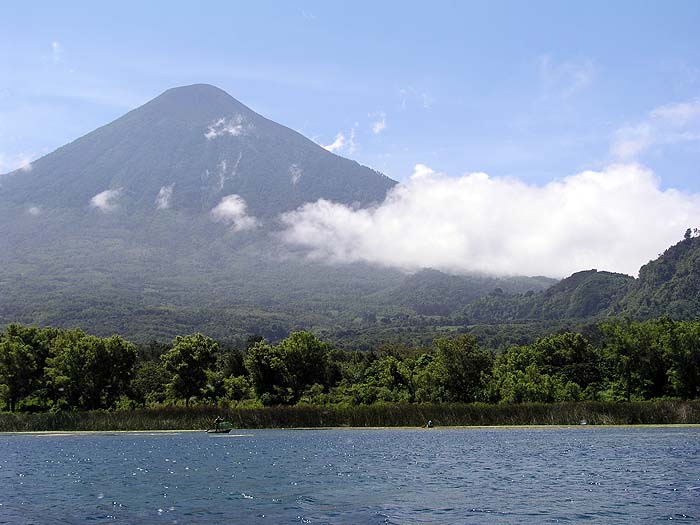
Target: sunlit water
[(627, 475)]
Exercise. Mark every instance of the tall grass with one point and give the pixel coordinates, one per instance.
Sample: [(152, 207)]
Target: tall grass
[(389, 415)]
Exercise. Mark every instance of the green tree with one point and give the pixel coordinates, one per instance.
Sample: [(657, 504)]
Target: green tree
[(268, 372), (238, 388), (571, 356), (149, 383), (187, 363), (39, 340), (555, 368), (636, 358), (388, 379), (465, 366), (682, 347), (283, 373), (89, 372), (17, 370), (428, 374), (306, 362)]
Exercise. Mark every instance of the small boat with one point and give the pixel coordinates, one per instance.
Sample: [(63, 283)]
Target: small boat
[(220, 427), (218, 430)]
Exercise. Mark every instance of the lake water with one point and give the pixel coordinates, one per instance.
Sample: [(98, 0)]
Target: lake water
[(550, 475)]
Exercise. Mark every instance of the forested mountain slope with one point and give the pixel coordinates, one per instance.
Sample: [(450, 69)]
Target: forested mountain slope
[(670, 285)]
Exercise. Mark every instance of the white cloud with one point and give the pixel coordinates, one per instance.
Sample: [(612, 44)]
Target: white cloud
[(564, 79), (351, 146), (34, 210), (232, 211), (669, 124), (56, 52), (337, 144), (225, 171), (20, 161), (222, 174), (295, 171), (630, 141), (235, 127), (25, 165), (343, 143), (679, 114), (164, 196), (616, 219), (379, 125), (106, 200)]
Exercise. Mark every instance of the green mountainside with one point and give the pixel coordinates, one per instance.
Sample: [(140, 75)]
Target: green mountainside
[(583, 295), (670, 285), (667, 286), (431, 292), (150, 261)]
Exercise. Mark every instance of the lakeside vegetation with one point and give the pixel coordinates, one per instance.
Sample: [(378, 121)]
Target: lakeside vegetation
[(624, 372), (377, 415)]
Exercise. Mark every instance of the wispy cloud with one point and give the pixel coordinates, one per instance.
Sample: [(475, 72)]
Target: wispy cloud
[(379, 124), (616, 219), (25, 164), (564, 79), (678, 115), (295, 171), (34, 211), (165, 194), (227, 172), (56, 52), (337, 144), (629, 141), (410, 95), (19, 161), (235, 126), (669, 124), (232, 211), (343, 143), (106, 201)]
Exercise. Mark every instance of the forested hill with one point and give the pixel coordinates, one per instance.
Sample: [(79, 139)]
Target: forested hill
[(431, 292), (669, 285)]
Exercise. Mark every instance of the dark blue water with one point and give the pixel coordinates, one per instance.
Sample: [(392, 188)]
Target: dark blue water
[(627, 475)]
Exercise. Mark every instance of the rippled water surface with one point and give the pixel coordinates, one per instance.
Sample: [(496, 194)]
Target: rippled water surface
[(626, 475)]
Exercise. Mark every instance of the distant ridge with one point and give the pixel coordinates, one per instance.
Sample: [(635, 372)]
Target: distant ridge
[(667, 286)]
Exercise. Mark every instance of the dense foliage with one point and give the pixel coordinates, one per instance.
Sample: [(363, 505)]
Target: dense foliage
[(621, 360)]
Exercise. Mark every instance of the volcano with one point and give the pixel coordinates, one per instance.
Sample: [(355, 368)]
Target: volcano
[(186, 150)]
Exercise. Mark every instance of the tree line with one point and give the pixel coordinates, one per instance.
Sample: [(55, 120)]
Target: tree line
[(45, 369)]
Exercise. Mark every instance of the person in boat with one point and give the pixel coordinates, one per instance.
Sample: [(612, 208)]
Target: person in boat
[(217, 422)]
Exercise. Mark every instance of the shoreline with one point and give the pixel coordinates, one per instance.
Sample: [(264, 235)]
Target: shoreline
[(395, 416), (373, 428)]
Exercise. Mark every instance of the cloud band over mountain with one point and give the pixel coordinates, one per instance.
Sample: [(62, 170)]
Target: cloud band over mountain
[(616, 219)]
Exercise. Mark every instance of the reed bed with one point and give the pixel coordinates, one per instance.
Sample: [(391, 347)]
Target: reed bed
[(384, 415)]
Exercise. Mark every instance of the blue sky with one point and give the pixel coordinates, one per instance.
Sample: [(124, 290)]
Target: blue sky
[(532, 90)]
